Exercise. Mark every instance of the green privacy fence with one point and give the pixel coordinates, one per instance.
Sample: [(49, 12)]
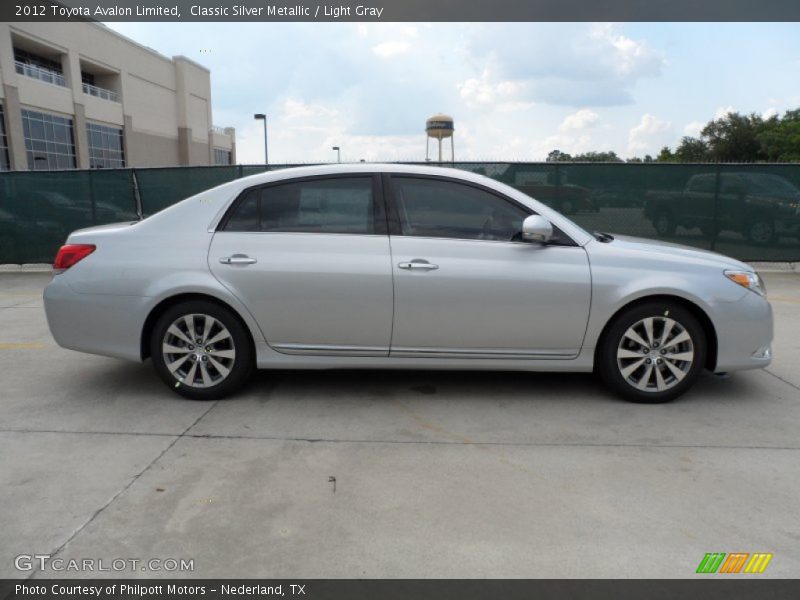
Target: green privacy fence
[(749, 211)]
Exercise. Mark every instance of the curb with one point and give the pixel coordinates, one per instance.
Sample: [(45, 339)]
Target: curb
[(26, 268), (776, 267)]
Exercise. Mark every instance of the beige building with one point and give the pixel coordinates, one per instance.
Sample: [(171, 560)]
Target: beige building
[(79, 95)]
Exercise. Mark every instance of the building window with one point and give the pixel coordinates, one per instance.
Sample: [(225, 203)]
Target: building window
[(4, 164), (49, 141), (38, 67), (106, 149), (222, 157)]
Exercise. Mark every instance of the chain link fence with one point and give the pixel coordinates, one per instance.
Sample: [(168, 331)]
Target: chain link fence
[(748, 211)]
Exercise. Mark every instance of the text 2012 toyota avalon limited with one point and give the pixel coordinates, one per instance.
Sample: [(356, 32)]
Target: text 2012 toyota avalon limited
[(389, 266)]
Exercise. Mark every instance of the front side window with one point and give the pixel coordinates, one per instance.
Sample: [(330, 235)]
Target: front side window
[(337, 205), (444, 209), (49, 141), (105, 146)]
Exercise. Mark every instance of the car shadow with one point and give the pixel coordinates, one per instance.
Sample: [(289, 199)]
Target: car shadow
[(117, 379)]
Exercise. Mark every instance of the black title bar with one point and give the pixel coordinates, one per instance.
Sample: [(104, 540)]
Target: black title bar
[(401, 10), (702, 587)]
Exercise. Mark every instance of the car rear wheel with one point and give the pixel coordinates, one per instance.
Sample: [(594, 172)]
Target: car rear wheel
[(201, 350), (652, 353)]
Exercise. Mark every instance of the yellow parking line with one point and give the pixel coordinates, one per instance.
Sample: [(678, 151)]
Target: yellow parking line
[(21, 345), (16, 294)]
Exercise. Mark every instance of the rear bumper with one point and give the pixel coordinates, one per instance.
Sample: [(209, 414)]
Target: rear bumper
[(102, 324)]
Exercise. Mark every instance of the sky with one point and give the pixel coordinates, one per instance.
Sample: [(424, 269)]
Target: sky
[(516, 90)]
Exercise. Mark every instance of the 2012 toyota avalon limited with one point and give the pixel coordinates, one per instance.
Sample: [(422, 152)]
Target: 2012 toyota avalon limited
[(390, 266)]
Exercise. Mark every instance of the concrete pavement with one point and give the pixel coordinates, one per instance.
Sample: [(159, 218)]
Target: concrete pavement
[(436, 474)]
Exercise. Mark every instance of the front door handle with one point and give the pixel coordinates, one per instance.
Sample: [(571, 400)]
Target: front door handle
[(418, 265), (237, 259)]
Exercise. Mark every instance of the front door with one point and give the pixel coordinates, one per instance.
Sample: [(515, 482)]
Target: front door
[(310, 259), (464, 287)]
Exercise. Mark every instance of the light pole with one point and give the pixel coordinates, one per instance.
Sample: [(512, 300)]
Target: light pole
[(338, 154), (263, 117)]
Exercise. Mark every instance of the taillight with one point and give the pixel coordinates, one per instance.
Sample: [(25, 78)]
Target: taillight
[(71, 254)]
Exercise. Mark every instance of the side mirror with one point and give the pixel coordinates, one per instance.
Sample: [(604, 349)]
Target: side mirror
[(536, 228)]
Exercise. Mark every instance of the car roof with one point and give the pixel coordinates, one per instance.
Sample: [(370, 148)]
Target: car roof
[(345, 168)]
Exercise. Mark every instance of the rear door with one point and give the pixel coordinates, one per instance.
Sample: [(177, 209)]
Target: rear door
[(310, 259)]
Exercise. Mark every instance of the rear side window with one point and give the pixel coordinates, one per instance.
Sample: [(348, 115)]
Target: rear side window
[(246, 216), (338, 205)]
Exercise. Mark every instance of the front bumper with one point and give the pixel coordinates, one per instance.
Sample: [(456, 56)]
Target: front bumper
[(744, 333)]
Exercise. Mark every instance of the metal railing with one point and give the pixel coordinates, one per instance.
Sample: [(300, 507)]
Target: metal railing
[(99, 92), (218, 129), (40, 73)]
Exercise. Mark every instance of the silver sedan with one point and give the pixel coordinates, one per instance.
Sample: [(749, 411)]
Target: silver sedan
[(390, 266)]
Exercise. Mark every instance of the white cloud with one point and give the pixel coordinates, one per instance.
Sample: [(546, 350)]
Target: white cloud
[(580, 120), (391, 48), (294, 108), (723, 111), (597, 66), (486, 90), (630, 58), (650, 134), (770, 112), (694, 128)]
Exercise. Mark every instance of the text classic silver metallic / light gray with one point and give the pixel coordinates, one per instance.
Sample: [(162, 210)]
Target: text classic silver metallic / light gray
[(390, 266)]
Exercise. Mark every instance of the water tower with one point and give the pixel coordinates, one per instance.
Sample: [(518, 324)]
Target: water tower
[(439, 127)]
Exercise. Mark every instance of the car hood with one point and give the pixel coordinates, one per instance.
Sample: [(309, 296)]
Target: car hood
[(677, 252)]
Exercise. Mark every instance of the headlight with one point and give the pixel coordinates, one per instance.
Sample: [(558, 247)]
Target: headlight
[(749, 280)]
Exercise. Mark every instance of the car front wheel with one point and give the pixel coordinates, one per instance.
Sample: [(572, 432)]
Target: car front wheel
[(201, 350), (652, 353)]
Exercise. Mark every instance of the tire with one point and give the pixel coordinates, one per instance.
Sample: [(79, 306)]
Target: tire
[(664, 223), (618, 363), (761, 232), (215, 368)]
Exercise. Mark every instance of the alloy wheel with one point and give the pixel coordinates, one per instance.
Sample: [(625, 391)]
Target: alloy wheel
[(198, 350), (655, 354)]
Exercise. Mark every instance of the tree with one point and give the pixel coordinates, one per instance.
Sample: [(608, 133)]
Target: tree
[(692, 149), (735, 138), (780, 139), (665, 155), (558, 156), (609, 156), (731, 138)]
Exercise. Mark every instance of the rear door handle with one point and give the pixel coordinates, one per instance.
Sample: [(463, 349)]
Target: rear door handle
[(237, 259), (418, 265)]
